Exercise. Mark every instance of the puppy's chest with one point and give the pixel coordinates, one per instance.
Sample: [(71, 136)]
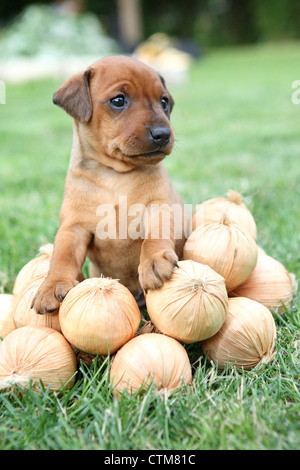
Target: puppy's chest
[(122, 192), (120, 217), (114, 206)]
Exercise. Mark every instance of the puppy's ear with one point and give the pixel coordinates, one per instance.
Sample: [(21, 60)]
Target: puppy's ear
[(171, 101), (75, 98)]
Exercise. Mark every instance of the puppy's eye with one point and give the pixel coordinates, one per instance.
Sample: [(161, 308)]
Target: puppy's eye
[(165, 103), (118, 102)]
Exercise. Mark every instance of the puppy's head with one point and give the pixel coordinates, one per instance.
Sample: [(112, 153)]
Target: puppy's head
[(123, 108)]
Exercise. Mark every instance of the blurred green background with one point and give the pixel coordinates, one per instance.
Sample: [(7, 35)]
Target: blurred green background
[(206, 22)]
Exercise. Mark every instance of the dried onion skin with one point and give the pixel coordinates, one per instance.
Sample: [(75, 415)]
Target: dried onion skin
[(270, 284), (150, 357), (247, 337), (24, 315), (99, 315), (34, 269), (232, 205), (226, 248), (37, 354), (191, 305)]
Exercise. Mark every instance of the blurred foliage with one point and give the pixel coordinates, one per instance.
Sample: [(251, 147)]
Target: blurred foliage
[(223, 22), (44, 30), (206, 22), (279, 21)]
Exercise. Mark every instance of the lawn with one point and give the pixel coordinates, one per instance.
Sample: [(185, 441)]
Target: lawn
[(236, 128)]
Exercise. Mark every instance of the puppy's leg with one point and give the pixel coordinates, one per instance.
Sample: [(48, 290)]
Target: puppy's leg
[(69, 253), (158, 256)]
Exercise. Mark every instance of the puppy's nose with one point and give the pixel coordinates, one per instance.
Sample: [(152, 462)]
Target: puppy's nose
[(160, 135)]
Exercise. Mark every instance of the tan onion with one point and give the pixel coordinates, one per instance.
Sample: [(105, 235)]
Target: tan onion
[(192, 305), (34, 268), (247, 337), (226, 248), (24, 315), (99, 315), (232, 205), (147, 358), (269, 283), (31, 353), (7, 323)]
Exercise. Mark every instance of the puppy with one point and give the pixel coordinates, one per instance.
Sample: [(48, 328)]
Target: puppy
[(118, 206)]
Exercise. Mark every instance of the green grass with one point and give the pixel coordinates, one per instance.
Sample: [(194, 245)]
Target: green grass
[(236, 128)]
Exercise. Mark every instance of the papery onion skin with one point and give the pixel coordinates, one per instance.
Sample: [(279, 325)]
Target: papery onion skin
[(247, 337), (232, 205), (28, 281), (192, 305), (99, 315), (226, 248), (24, 315), (150, 357), (7, 323), (270, 284), (31, 353), (35, 268)]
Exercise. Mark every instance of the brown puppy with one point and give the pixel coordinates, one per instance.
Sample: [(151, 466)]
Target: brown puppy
[(117, 191)]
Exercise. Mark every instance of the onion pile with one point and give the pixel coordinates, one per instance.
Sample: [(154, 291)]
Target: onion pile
[(222, 294), (224, 237)]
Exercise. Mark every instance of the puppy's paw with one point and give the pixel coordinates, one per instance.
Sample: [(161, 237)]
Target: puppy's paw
[(156, 270), (51, 294)]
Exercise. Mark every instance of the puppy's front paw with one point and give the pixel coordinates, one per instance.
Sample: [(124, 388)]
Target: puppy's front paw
[(51, 294), (154, 271)]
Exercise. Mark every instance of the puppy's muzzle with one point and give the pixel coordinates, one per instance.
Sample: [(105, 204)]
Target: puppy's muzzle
[(160, 136)]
